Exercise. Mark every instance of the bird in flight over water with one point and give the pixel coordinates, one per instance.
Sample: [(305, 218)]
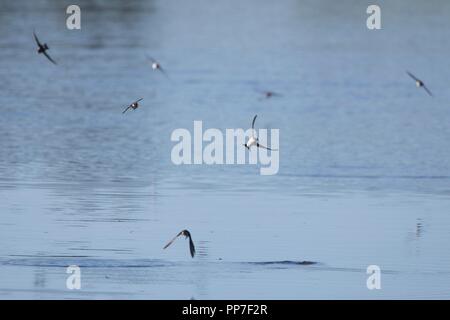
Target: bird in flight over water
[(157, 66), (42, 48), (270, 94), (187, 234), (133, 106), (419, 83), (253, 140)]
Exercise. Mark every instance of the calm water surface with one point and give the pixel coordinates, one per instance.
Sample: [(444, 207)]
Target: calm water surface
[(364, 156)]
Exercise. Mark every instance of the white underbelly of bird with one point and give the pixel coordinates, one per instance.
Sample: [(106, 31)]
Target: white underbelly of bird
[(251, 142)]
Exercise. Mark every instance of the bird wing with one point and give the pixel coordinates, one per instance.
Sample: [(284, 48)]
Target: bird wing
[(253, 122), (171, 241), (48, 57), (126, 109), (264, 147), (412, 76), (191, 247), (36, 39), (138, 100), (163, 71), (151, 59), (428, 91)]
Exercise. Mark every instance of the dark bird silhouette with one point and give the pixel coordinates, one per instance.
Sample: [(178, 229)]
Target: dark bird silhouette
[(42, 48), (270, 94), (419, 83), (187, 234), (253, 140), (133, 106)]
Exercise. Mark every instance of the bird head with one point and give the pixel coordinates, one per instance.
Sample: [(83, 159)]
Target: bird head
[(185, 233)]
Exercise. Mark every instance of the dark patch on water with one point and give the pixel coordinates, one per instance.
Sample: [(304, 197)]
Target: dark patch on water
[(284, 263), (82, 261)]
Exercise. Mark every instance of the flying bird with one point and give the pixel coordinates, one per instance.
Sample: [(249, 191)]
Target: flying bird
[(419, 83), (157, 66), (270, 94), (42, 48), (133, 106), (253, 140), (187, 234)]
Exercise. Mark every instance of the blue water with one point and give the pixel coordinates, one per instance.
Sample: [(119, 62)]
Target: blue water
[(364, 175)]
